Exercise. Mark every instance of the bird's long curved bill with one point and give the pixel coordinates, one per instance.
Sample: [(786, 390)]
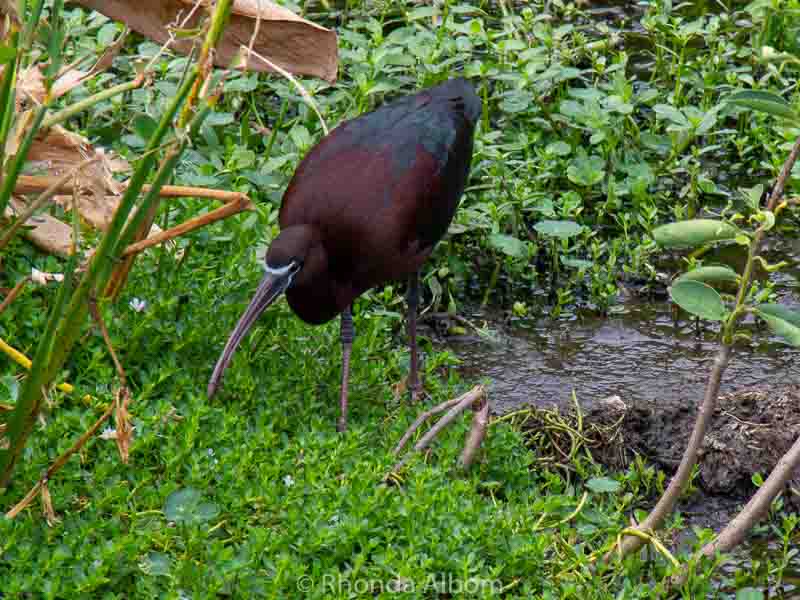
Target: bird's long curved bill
[(271, 286)]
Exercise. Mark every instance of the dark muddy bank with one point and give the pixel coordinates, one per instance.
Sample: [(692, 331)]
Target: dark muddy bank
[(750, 430)]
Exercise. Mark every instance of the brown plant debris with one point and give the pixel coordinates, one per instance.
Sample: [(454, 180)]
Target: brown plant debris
[(750, 430), (291, 42)]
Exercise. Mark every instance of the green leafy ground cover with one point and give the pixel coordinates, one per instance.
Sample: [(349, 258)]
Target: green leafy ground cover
[(594, 132)]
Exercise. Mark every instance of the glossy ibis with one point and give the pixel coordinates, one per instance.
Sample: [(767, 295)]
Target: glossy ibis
[(366, 206)]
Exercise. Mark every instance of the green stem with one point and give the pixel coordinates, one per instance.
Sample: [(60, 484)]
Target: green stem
[(31, 23), (7, 86), (78, 107), (219, 18), (14, 169), (278, 124), (492, 283), (23, 418)]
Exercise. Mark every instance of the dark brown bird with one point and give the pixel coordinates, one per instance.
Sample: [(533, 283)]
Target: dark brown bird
[(365, 207)]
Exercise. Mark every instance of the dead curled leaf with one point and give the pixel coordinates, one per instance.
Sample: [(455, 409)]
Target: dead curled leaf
[(56, 151), (46, 232), (122, 418), (30, 81), (291, 42)]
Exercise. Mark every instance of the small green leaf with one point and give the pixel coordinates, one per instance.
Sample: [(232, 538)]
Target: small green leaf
[(300, 137), (749, 594), (218, 119), (693, 233), (517, 101), (242, 158), (558, 148), (156, 564), (782, 321), (508, 245), (241, 84), (765, 102), (10, 387), (600, 485), (769, 220), (144, 126), (711, 274), (698, 299), (577, 263), (753, 195), (7, 53), (186, 506), (558, 229), (670, 113), (586, 170)]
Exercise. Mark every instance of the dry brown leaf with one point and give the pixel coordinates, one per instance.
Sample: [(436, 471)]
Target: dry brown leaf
[(123, 421), (57, 152), (30, 81), (291, 42), (18, 132), (30, 84), (47, 233), (47, 506)]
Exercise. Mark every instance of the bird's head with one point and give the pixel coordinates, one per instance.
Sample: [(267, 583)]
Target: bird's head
[(286, 263)]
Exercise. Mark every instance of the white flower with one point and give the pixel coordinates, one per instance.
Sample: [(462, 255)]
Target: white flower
[(288, 480), (42, 278), (137, 304)]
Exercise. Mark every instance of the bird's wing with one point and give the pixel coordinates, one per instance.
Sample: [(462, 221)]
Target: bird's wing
[(385, 186)]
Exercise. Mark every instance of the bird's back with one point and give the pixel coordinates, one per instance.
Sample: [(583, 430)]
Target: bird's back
[(382, 188)]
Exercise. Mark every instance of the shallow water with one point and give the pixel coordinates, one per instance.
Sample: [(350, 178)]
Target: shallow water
[(639, 353)]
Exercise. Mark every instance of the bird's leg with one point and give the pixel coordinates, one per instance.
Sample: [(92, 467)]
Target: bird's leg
[(413, 303), (347, 333)]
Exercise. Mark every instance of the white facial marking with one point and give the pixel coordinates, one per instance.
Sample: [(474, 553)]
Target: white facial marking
[(288, 272), (278, 271)]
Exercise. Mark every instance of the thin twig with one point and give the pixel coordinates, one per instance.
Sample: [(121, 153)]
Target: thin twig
[(755, 510), (15, 291), (303, 92), (457, 406), (178, 23), (104, 331), (29, 184), (421, 419), (123, 433), (566, 519), (241, 203), (464, 401), (59, 462), (476, 435), (666, 504)]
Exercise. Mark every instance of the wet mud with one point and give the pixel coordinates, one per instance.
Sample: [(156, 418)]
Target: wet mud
[(749, 432)]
